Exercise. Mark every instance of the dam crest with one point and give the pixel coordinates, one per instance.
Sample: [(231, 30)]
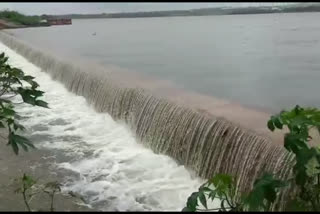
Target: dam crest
[(202, 142)]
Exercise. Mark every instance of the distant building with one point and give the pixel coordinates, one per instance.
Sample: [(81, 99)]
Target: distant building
[(59, 21)]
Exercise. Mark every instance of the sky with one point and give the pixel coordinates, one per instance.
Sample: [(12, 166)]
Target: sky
[(98, 7)]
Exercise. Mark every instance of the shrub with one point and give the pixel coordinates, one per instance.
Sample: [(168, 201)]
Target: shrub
[(13, 82), (299, 121)]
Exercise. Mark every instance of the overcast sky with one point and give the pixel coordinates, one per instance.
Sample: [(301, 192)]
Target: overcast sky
[(65, 8)]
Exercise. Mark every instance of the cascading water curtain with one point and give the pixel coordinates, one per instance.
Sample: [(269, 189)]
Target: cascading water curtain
[(201, 142)]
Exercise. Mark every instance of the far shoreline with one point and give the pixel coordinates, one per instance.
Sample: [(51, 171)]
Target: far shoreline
[(211, 11)]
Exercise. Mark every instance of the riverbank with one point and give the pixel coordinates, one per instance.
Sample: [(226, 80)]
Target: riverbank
[(38, 164), (4, 24)]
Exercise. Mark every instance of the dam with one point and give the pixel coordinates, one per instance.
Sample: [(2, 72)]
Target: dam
[(202, 142), (136, 140)]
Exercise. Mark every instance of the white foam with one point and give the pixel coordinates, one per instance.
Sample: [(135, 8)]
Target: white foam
[(115, 172)]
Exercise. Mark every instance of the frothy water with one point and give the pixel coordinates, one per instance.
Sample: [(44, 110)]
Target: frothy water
[(113, 171), (202, 142)]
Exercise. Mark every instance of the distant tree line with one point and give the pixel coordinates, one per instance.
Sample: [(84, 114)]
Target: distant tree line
[(21, 19), (302, 7)]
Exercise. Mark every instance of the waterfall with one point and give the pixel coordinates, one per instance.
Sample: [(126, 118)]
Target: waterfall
[(202, 142)]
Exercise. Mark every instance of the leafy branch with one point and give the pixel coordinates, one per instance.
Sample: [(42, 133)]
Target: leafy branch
[(29, 188), (13, 82), (299, 121)]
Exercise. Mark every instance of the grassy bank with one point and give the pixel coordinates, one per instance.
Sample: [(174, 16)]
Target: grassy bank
[(14, 19)]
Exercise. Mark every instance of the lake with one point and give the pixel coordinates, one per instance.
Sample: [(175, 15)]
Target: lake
[(265, 61)]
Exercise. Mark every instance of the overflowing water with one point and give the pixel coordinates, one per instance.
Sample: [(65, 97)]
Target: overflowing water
[(110, 169), (203, 143)]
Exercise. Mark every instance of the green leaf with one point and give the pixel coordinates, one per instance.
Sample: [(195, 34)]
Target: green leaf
[(17, 72), (25, 148), (298, 109), (27, 98), (34, 84), (255, 200), (270, 193), (28, 181), (4, 100), (278, 123), (15, 140), (36, 93), (270, 125), (10, 121), (264, 188), (17, 126), (212, 195), (42, 103), (27, 78), (8, 112), (192, 202), (1, 125), (203, 199), (297, 206), (221, 179), (294, 142), (22, 140), (4, 60), (312, 167), (301, 178), (222, 184), (187, 209), (14, 147), (205, 189)]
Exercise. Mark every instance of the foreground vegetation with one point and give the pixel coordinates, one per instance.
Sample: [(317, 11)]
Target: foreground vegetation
[(299, 121), (13, 82)]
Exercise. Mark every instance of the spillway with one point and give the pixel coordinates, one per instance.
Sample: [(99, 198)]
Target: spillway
[(203, 143)]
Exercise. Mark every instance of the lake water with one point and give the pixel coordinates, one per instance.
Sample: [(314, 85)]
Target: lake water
[(269, 61)]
